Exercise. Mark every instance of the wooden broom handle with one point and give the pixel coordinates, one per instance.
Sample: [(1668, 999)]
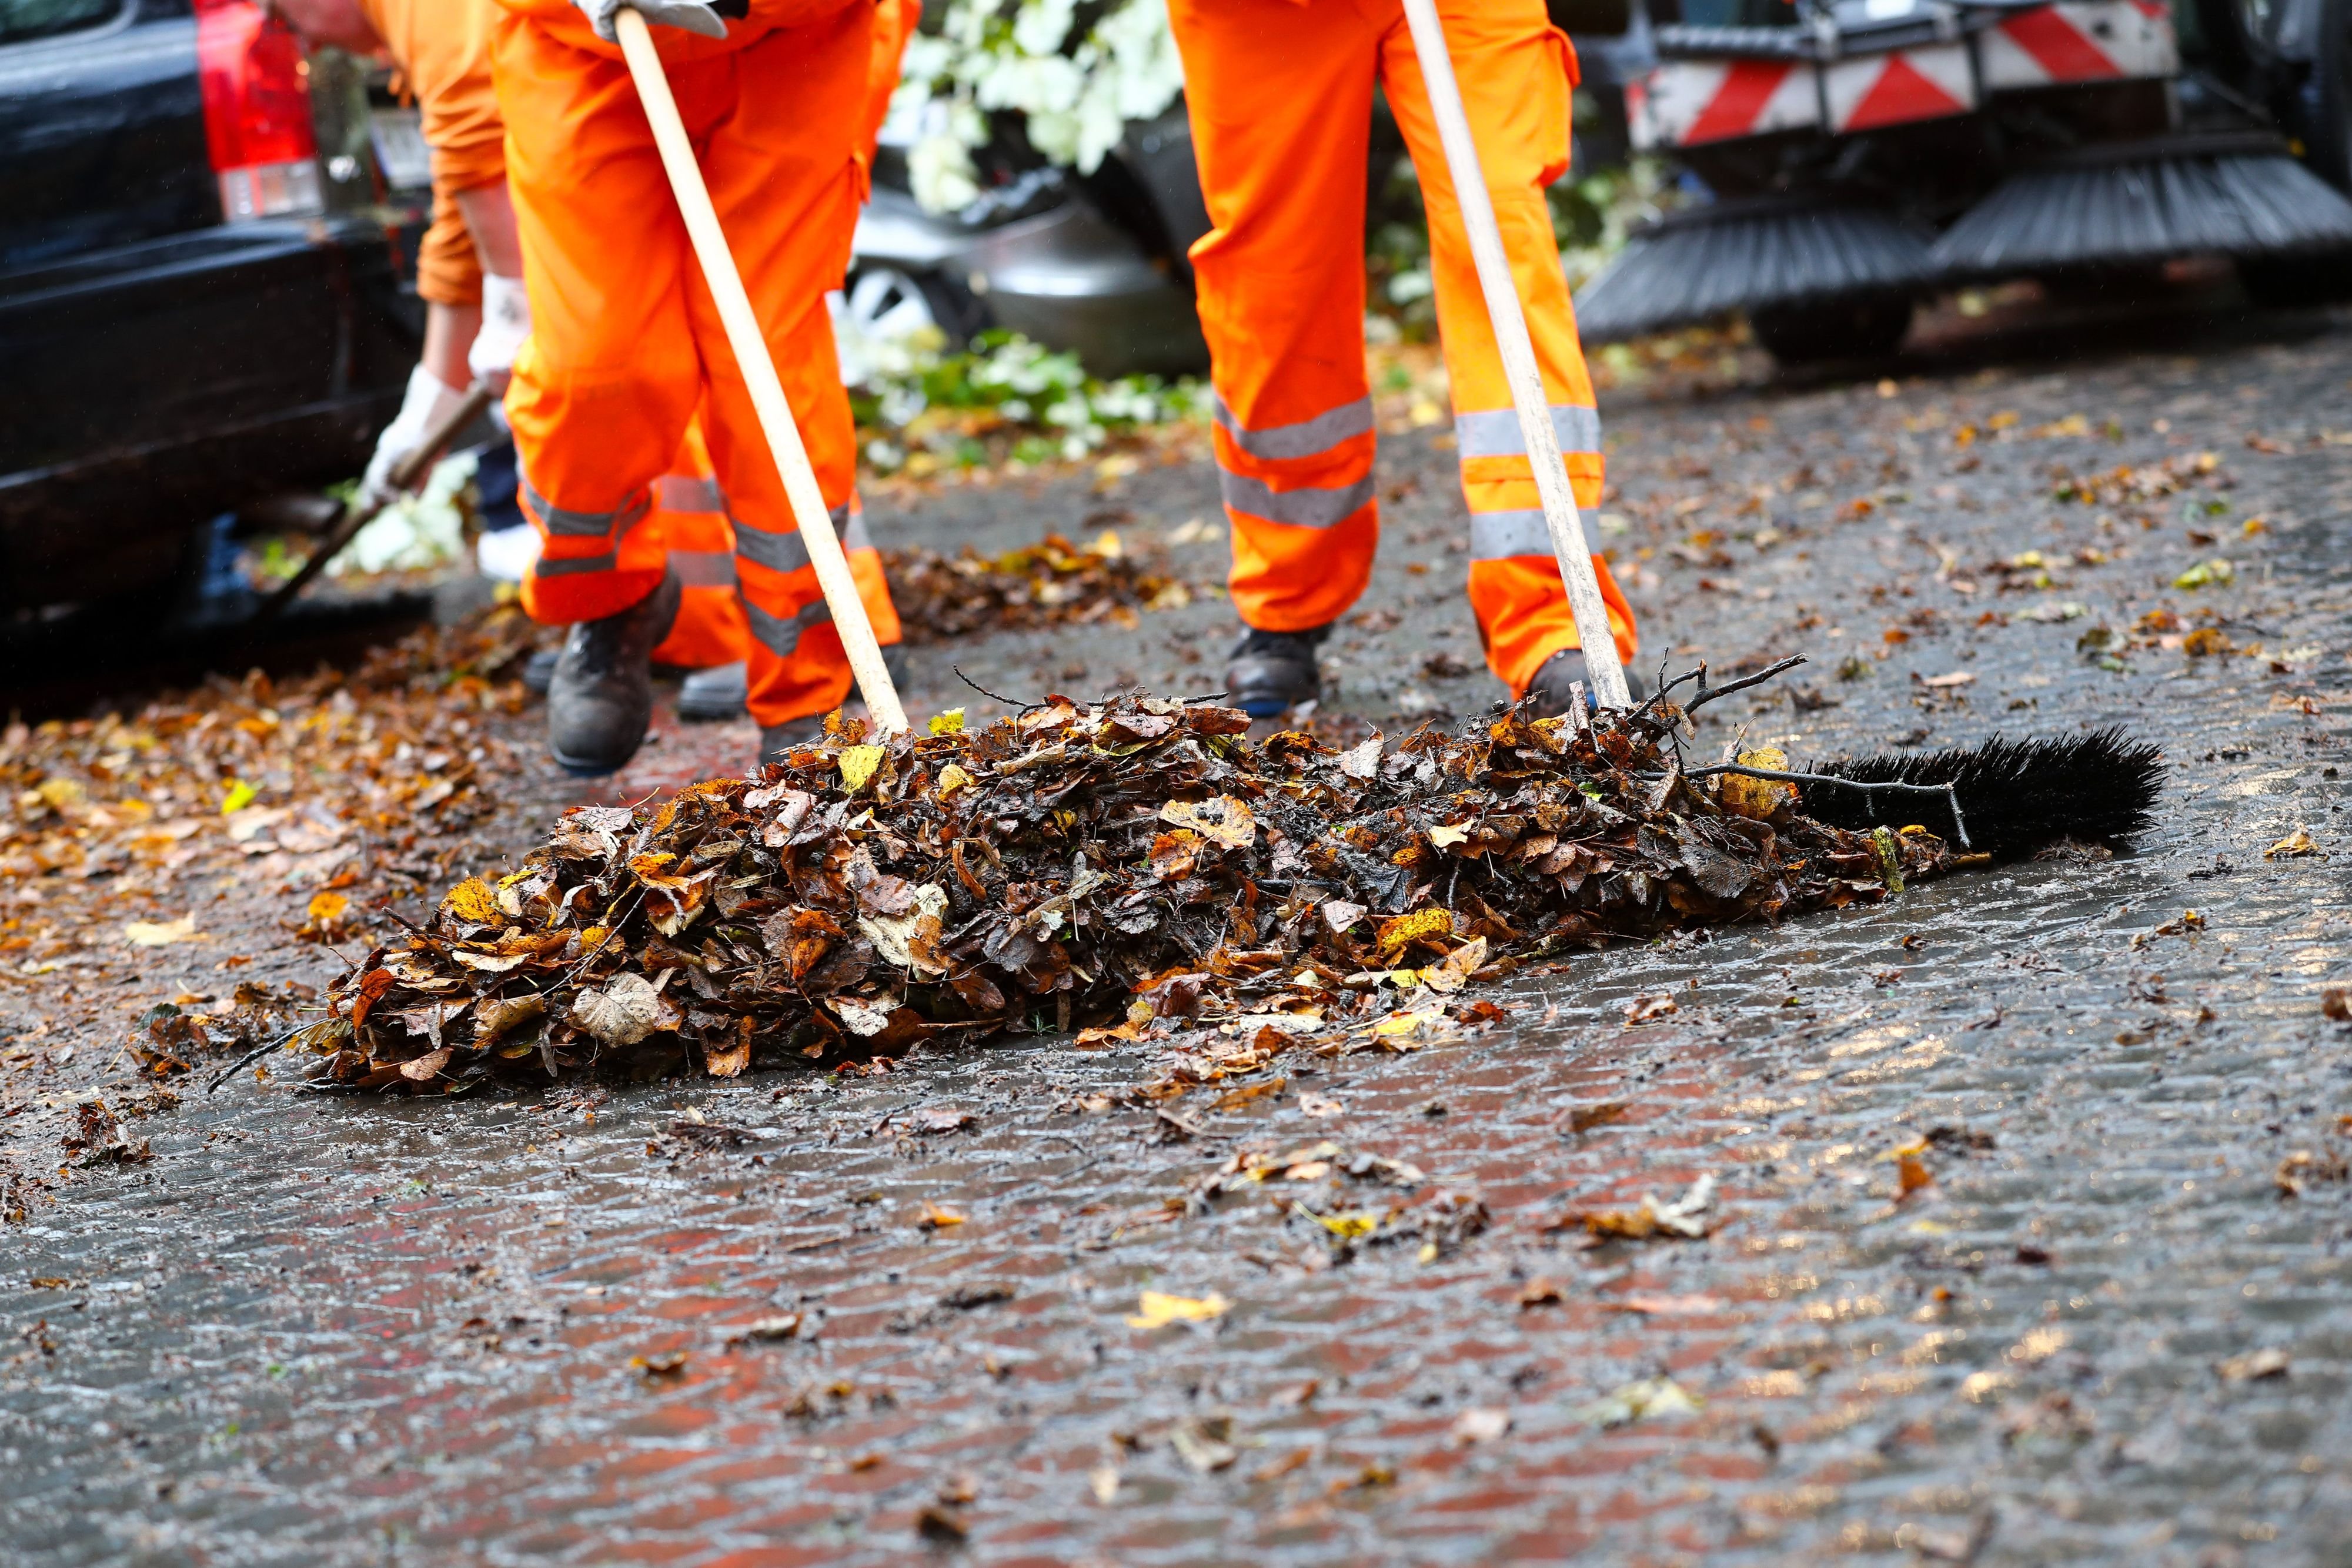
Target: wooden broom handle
[(1518, 355), (759, 367)]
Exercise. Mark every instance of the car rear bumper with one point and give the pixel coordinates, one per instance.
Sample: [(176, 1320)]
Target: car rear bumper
[(145, 389)]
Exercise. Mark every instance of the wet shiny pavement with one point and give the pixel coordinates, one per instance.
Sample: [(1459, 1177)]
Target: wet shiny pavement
[(352, 1331)]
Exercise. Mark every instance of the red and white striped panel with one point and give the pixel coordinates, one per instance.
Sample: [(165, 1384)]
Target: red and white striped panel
[(1686, 102), (1866, 91), (2080, 41)]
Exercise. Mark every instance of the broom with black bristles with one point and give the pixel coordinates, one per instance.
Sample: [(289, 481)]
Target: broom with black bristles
[(1759, 253), (2240, 194), (2014, 797), (2003, 798)]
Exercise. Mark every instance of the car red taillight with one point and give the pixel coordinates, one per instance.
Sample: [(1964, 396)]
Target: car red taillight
[(256, 92)]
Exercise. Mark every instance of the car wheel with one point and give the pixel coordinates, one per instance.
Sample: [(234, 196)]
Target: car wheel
[(1868, 328), (887, 304)]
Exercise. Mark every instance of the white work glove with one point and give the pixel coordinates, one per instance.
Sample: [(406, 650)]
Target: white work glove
[(429, 402), (506, 323), (693, 16)]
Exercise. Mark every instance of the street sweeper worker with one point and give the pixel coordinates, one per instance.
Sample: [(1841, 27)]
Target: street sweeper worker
[(627, 343), (469, 265), (710, 639), (470, 272), (1280, 94)]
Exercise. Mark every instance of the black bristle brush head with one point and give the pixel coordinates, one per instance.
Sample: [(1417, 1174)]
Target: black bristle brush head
[(2018, 796)]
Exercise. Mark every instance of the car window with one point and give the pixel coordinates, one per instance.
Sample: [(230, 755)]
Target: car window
[(23, 19)]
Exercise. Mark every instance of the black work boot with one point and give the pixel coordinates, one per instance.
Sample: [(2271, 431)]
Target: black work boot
[(1550, 688), (539, 673), (602, 696), (1270, 672)]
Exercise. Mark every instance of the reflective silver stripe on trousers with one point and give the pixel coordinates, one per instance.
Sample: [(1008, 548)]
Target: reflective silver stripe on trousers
[(703, 568), (1499, 536), (1494, 433), (587, 525), (682, 492), (1308, 438), (578, 567), (789, 552), (779, 635), (1300, 509)]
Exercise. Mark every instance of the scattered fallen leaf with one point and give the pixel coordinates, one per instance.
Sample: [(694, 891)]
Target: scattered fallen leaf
[(2253, 1365), (2295, 846), (1205, 1443), (1542, 1291), (1482, 1424), (162, 933), (1644, 1399), (1158, 1311)]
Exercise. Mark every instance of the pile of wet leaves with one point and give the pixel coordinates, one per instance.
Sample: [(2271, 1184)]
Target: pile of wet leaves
[(1053, 582), (1136, 869)]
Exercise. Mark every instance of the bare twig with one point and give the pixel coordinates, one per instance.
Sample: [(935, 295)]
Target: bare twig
[(992, 696), (1951, 796), (251, 1057), (1708, 694)]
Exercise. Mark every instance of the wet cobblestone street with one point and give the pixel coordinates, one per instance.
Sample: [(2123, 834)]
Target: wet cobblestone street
[(2031, 1204)]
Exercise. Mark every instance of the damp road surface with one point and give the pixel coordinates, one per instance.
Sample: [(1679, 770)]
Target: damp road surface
[(2023, 1197)]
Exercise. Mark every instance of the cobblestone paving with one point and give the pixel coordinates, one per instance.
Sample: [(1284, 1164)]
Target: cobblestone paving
[(2094, 1328)]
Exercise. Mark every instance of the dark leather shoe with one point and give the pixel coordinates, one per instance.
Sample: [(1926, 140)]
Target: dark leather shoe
[(713, 695), (539, 673), (1550, 688), (602, 696), (1270, 672)]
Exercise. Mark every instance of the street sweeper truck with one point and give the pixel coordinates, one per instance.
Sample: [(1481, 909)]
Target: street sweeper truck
[(1860, 154)]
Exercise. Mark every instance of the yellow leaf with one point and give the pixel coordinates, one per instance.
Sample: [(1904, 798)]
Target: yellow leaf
[(952, 779), (935, 1218), (1415, 928), (857, 765), (1156, 1310), (472, 901), (328, 907), (1757, 798), (1444, 837), (1347, 1225), (59, 794), (240, 795), (949, 723), (153, 933), (2294, 845)]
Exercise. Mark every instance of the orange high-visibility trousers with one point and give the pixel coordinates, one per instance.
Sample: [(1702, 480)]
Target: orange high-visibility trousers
[(689, 520), (626, 342), (1280, 95)]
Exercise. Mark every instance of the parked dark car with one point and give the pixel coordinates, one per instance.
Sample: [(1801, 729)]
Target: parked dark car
[(201, 293)]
